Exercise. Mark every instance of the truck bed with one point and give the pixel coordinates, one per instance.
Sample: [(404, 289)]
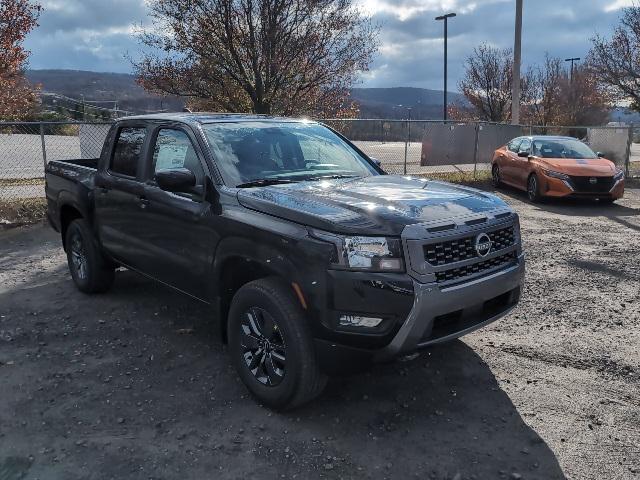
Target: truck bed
[(69, 179)]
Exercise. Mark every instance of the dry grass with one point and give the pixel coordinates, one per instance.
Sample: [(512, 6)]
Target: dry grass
[(23, 211), (16, 182), (479, 179)]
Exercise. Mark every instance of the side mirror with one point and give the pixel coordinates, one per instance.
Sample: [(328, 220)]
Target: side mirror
[(176, 180), (523, 154), (600, 154), (376, 161)]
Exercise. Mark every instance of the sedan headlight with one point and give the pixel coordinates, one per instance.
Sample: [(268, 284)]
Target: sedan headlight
[(379, 254), (619, 175), (552, 174)]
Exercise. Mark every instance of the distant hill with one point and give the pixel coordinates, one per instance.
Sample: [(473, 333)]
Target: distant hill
[(103, 87), (394, 102)]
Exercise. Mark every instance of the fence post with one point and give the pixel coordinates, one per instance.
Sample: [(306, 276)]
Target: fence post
[(475, 150), (627, 159), (44, 146), (406, 146)]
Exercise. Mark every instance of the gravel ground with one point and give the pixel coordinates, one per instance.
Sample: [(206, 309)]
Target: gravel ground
[(135, 384)]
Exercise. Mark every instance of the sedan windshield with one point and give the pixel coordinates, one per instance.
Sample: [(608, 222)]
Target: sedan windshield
[(561, 148), (258, 153)]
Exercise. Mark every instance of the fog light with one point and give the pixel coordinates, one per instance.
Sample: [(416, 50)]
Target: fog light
[(357, 321)]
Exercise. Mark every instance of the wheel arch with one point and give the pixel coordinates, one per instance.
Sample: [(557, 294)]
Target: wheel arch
[(239, 262)]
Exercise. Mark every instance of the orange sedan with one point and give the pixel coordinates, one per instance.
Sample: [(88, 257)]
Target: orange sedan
[(549, 166)]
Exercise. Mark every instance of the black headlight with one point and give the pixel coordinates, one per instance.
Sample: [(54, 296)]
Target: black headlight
[(378, 254)]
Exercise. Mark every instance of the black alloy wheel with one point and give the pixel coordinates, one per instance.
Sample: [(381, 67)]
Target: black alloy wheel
[(263, 346)]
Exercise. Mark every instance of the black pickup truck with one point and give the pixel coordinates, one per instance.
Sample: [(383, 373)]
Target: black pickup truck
[(316, 262)]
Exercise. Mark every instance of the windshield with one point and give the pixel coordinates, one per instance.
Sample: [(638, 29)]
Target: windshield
[(561, 148), (281, 151)]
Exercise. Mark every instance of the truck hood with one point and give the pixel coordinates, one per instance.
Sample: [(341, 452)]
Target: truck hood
[(377, 205)]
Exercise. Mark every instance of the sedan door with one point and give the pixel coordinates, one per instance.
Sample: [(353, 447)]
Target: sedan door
[(522, 167), (508, 161)]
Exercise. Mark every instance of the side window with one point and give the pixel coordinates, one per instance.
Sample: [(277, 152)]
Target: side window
[(525, 146), (514, 144), (127, 151), (174, 149)]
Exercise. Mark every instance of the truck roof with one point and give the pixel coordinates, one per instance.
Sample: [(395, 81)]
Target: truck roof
[(208, 117)]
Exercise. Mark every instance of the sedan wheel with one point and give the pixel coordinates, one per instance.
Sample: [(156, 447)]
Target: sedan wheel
[(495, 176), (532, 188)]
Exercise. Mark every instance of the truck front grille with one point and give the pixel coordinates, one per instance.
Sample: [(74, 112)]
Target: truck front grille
[(592, 184), (475, 268), (452, 251)]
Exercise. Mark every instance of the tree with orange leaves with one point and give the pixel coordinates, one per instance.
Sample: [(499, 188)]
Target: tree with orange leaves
[(17, 97)]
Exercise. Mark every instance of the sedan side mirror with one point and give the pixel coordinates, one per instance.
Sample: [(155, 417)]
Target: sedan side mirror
[(376, 161), (599, 154), (523, 154), (176, 180)]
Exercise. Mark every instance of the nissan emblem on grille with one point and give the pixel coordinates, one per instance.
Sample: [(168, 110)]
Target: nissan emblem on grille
[(593, 180), (483, 245)]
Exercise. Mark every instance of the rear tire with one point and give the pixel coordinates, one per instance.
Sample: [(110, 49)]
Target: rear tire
[(90, 271), (271, 346), (533, 188), (495, 176)]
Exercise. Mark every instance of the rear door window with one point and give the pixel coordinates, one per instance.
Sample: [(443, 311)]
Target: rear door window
[(127, 151)]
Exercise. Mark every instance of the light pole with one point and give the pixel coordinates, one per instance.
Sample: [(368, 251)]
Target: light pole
[(445, 18), (574, 59), (515, 87)]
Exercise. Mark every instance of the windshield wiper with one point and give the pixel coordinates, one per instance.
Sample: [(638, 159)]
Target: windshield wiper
[(263, 182), (328, 177)]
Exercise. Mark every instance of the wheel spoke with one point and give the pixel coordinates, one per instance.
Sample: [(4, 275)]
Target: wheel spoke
[(275, 374), (256, 358), (254, 324), (250, 341), (269, 327)]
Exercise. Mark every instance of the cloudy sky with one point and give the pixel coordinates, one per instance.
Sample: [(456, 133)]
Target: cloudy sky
[(96, 34)]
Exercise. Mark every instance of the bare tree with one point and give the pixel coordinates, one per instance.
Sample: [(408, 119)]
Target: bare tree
[(616, 61), (17, 19), (487, 83), (545, 92), (265, 56)]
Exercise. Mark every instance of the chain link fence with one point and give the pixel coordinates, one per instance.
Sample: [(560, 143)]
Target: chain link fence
[(413, 147), (25, 148), (427, 147)]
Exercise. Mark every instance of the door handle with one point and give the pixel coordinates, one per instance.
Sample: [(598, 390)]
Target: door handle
[(144, 202)]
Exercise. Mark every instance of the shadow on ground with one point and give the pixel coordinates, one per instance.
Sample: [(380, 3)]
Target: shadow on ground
[(136, 384), (576, 207)]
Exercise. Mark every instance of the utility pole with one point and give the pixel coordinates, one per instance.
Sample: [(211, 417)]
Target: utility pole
[(574, 59), (517, 47), (84, 112), (445, 18)]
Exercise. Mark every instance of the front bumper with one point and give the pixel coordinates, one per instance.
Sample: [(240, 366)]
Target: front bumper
[(442, 314), (555, 187)]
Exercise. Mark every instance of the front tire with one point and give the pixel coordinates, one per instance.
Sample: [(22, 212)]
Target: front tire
[(271, 346), (533, 189), (90, 271), (495, 176)]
